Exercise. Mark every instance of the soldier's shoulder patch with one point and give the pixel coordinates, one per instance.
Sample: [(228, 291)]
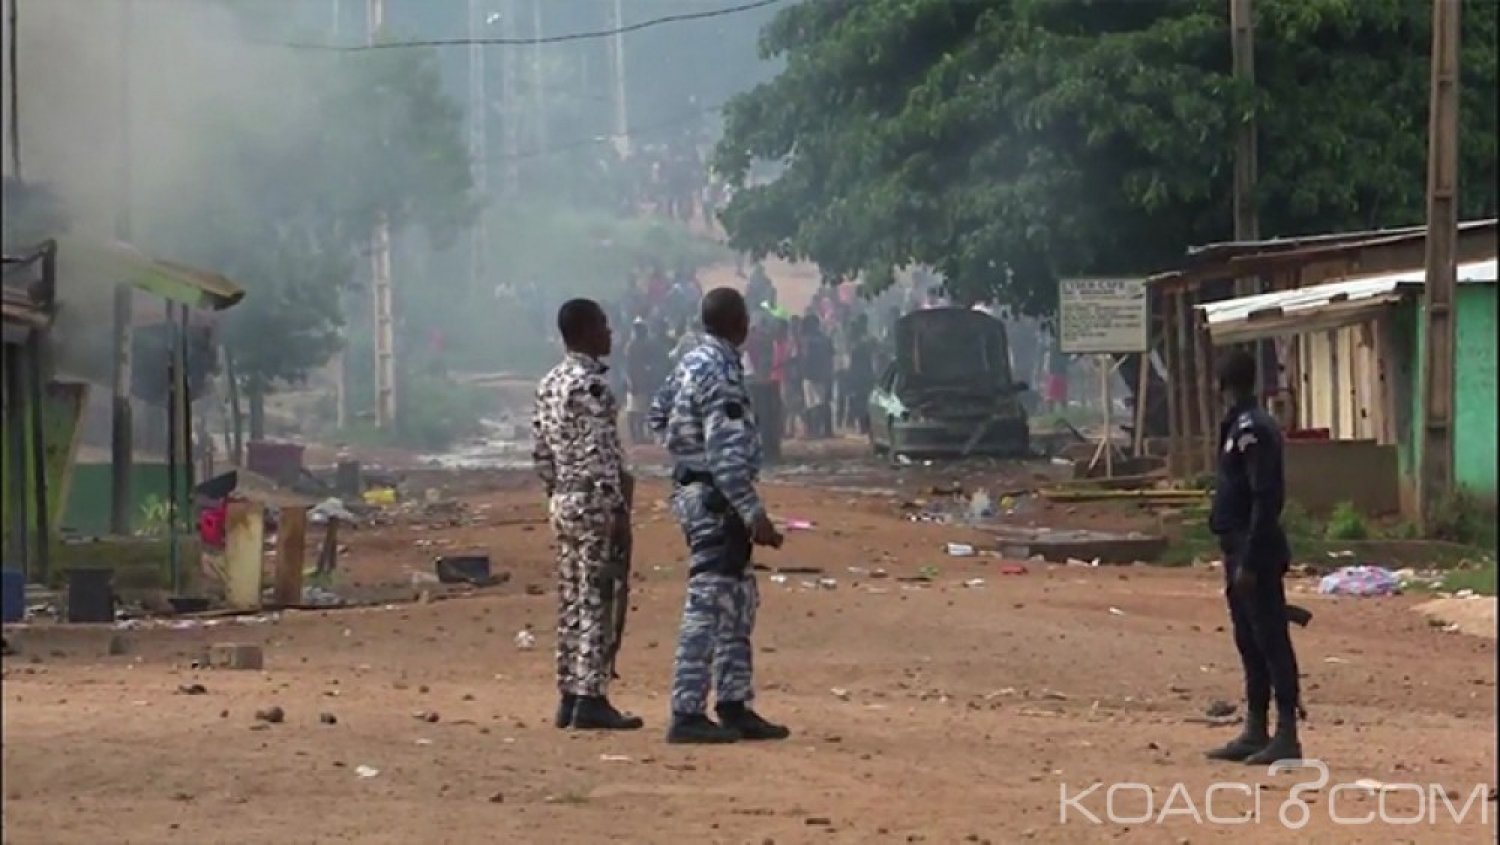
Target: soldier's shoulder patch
[(1245, 440)]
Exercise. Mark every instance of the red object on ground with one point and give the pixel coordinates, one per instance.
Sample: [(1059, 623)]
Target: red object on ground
[(1012, 569), (211, 522)]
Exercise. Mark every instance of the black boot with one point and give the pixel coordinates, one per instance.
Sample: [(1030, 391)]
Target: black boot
[(565, 710), (1284, 746), (698, 729), (595, 713), (1251, 740), (734, 714)]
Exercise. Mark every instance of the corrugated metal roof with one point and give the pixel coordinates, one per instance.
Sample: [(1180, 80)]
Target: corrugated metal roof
[(1341, 293)]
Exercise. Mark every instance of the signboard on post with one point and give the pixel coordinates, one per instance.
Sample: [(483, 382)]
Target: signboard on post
[(1102, 316)]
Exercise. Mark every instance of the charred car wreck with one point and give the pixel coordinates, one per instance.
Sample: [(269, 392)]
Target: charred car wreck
[(949, 390)]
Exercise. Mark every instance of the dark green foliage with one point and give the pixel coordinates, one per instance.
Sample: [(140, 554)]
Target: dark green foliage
[(1010, 142)]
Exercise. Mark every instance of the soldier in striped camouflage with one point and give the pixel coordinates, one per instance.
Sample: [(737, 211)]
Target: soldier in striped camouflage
[(576, 451), (704, 415)]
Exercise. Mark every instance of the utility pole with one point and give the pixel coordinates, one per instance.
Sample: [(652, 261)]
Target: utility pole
[(509, 113), (380, 280), (339, 366), (479, 150), (1436, 463), (1246, 166), (617, 60), (122, 431), (538, 91)]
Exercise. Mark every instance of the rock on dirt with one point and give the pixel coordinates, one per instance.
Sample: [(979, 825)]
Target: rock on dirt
[(273, 715)]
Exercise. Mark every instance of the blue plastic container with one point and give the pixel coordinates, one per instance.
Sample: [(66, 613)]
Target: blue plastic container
[(12, 595)]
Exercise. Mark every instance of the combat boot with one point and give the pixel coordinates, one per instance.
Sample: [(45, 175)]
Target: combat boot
[(565, 710), (1251, 740), (698, 729), (1284, 746), (735, 715), (595, 713)]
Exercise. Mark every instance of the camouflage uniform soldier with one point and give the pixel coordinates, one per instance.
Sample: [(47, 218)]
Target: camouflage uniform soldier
[(578, 456), (704, 414)]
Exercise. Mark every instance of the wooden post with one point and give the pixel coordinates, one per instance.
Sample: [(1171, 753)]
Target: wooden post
[(328, 557), (1174, 380), (1206, 389), (244, 554), (122, 435), (291, 548), (1442, 234), (1143, 378), (15, 434), (43, 517)]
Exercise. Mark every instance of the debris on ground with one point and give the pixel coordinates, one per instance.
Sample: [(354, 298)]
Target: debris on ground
[(332, 509), (366, 771), (960, 550), (525, 640), (271, 715), (1219, 709), (1360, 581)]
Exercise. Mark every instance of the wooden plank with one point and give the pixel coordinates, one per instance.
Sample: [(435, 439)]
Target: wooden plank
[(291, 551), (1336, 391), (1206, 389), (243, 555), (1174, 379), (1143, 379)]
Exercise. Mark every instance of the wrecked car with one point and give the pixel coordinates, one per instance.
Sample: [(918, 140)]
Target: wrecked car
[(949, 391)]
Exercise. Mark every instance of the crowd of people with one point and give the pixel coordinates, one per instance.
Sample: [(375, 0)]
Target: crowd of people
[(823, 361)]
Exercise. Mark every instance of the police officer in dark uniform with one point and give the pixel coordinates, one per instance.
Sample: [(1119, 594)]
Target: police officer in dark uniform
[(1246, 517)]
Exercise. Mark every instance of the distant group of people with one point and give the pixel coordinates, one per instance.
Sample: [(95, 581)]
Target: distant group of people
[(824, 361)]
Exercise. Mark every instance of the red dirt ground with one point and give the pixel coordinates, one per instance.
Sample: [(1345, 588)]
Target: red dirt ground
[(931, 713)]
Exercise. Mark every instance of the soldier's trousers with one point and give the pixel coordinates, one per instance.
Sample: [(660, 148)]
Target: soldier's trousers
[(713, 646), (1262, 637), (583, 630)]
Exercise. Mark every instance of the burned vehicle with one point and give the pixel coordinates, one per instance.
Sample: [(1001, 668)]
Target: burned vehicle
[(949, 391)]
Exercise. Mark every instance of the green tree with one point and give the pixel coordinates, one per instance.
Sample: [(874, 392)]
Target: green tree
[(1010, 142), (293, 221)]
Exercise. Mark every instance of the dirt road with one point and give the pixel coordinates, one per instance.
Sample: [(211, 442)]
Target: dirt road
[(951, 711)]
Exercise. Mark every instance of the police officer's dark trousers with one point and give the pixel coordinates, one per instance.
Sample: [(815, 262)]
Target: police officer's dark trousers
[(1260, 632)]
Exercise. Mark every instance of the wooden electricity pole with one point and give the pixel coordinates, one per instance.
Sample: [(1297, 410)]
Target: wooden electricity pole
[(339, 366), (1246, 169), (617, 67), (380, 280), (1246, 221), (510, 128), (479, 148), (1436, 462)]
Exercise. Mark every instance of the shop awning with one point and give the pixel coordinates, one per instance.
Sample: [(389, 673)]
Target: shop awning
[(1321, 307), (82, 262)]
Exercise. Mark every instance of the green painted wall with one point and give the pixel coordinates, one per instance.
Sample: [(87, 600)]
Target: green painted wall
[(88, 505), (1474, 421), (62, 408)]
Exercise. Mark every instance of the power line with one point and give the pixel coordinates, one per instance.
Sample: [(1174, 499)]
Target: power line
[(547, 39)]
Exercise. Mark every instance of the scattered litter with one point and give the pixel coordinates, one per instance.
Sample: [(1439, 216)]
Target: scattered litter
[(332, 509), (903, 460), (840, 693), (273, 715), (381, 496), (614, 758), (525, 640), (366, 771), (317, 596), (1115, 611), (798, 525), (828, 583), (981, 506), (778, 578), (974, 582), (1360, 581), (927, 573), (1334, 660), (877, 572), (1372, 785), (1013, 569), (960, 550), (423, 741)]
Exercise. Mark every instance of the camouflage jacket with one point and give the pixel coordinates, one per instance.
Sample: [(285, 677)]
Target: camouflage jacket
[(704, 416), (575, 435)]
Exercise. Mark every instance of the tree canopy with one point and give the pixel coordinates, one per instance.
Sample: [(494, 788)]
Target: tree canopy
[(293, 221), (1006, 143)]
